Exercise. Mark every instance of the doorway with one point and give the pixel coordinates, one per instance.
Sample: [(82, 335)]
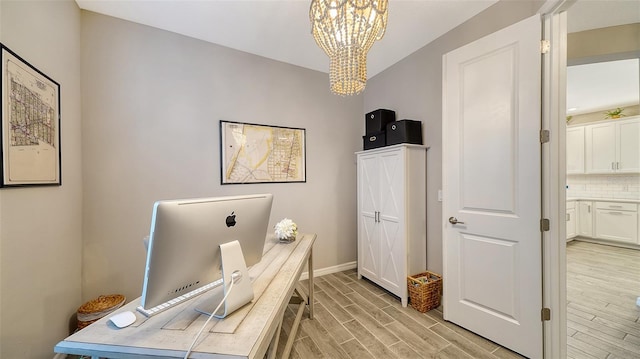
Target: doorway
[(601, 283)]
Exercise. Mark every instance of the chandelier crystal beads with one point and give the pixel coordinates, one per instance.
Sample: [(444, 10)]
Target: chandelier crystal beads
[(345, 30)]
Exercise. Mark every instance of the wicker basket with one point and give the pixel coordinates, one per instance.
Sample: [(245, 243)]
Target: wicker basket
[(424, 291), (97, 308)]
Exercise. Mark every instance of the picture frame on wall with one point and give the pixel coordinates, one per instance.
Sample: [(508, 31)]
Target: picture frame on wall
[(254, 153), (30, 106)]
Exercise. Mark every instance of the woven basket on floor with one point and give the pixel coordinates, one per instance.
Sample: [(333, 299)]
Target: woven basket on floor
[(97, 308), (424, 291)]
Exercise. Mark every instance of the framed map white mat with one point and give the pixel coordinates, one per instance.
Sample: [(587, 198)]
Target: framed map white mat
[(30, 124), (253, 153)]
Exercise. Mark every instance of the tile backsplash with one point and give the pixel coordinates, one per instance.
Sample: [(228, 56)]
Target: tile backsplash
[(604, 186)]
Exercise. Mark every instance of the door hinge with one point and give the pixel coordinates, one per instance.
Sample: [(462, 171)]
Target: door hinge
[(545, 314), (544, 136), (544, 225), (545, 45)]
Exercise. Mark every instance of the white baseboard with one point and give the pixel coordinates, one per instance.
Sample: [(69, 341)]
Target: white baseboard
[(324, 271)]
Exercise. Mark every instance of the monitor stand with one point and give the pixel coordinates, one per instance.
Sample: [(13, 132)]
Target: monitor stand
[(234, 268)]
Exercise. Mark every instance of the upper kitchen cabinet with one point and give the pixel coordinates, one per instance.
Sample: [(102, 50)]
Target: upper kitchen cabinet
[(575, 150), (613, 147)]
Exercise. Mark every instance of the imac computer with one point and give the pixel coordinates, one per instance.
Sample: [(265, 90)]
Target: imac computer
[(199, 244)]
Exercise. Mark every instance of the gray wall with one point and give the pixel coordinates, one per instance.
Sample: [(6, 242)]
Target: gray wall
[(40, 227), (150, 102), (413, 88), (151, 110)]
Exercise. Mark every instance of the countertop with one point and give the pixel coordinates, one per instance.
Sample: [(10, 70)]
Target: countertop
[(621, 200)]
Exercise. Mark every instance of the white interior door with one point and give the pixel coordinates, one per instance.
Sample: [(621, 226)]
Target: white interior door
[(492, 271)]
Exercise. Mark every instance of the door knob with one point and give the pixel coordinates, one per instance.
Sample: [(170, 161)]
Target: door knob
[(454, 220)]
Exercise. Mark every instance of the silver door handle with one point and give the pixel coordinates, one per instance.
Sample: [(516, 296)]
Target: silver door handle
[(454, 220)]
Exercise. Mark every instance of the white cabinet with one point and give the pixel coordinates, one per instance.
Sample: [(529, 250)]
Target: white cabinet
[(585, 218), (571, 219), (613, 147), (617, 221), (575, 150), (392, 215)]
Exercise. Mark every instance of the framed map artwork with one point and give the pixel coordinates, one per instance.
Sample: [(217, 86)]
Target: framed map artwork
[(252, 153), (30, 129)]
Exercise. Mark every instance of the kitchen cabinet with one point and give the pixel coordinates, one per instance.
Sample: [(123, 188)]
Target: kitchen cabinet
[(575, 149), (616, 221), (392, 215), (585, 218), (613, 147), (571, 220)]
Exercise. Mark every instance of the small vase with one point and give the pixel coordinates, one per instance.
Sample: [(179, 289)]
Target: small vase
[(287, 239)]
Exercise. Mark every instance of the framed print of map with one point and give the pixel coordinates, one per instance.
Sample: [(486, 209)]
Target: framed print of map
[(30, 124), (253, 153)]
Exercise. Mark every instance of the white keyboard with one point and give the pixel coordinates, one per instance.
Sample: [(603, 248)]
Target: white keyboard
[(173, 302)]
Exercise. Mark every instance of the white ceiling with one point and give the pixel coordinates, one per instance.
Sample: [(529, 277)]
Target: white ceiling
[(281, 30), (600, 86), (603, 85)]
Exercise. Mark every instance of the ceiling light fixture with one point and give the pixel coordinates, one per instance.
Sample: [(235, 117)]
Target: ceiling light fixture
[(346, 30)]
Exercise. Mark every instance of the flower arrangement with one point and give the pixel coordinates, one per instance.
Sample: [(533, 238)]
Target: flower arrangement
[(286, 230)]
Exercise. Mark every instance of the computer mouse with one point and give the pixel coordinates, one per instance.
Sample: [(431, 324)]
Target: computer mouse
[(123, 319)]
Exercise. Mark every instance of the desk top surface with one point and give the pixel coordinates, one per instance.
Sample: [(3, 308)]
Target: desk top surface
[(244, 334)]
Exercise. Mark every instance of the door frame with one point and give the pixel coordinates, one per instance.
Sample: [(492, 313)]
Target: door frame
[(554, 270)]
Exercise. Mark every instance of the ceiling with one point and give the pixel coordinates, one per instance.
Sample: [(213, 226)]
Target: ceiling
[(280, 30), (601, 86)]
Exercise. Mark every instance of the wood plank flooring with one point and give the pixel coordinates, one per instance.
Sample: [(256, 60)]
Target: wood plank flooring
[(356, 319), (603, 283)]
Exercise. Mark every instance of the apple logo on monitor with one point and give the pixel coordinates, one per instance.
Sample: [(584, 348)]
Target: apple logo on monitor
[(231, 219)]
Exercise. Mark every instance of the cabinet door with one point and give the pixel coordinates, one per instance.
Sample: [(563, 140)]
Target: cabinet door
[(393, 250), (368, 204), (617, 225), (585, 219), (571, 223), (600, 148), (628, 147), (575, 149)]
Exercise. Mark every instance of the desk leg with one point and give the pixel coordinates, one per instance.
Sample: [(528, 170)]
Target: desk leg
[(311, 286), (273, 348)]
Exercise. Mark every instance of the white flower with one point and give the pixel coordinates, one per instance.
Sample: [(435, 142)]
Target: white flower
[(286, 229)]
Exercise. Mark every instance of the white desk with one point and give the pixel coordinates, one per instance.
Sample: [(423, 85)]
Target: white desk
[(250, 332)]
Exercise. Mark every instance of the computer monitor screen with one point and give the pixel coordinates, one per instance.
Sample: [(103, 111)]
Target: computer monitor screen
[(185, 237)]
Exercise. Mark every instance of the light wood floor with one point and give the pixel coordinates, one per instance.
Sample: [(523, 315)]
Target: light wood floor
[(356, 319), (603, 283)]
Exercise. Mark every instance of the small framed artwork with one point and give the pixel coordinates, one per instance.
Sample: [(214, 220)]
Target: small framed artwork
[(252, 153), (30, 129)]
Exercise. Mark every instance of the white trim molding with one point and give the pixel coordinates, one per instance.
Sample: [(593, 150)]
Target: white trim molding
[(329, 270)]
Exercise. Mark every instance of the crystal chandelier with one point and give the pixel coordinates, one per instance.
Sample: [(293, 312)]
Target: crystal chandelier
[(346, 30)]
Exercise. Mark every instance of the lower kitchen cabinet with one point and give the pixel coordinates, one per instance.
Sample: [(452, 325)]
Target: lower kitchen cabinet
[(571, 219), (616, 221), (585, 218)]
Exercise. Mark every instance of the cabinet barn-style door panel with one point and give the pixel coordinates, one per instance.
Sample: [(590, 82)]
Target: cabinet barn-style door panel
[(392, 216)]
